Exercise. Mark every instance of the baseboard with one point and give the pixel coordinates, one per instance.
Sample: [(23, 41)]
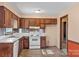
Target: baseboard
[(50, 46)]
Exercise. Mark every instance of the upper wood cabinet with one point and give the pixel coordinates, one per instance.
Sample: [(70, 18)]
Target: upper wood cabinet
[(50, 21), (7, 20), (15, 21), (6, 17), (37, 22), (24, 23), (42, 23), (32, 22)]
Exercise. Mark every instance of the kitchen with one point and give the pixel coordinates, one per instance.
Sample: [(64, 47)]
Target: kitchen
[(21, 33), (31, 29)]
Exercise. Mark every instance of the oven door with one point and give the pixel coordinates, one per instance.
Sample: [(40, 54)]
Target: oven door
[(34, 41)]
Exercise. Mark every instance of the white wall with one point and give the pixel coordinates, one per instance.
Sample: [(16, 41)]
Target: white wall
[(73, 24), (51, 35)]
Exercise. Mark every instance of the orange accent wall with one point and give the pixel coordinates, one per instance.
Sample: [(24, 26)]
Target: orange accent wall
[(73, 49)]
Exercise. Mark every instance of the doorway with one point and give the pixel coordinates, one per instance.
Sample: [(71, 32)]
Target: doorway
[(64, 33)]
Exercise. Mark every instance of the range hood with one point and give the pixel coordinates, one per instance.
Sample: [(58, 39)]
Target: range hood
[(34, 27)]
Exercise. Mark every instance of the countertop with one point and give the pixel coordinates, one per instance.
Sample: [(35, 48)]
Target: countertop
[(9, 39)]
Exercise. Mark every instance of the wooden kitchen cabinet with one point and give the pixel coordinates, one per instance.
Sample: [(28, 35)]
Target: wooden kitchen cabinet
[(23, 43), (18, 22), (37, 22), (24, 23), (6, 50), (32, 22), (42, 20), (2, 16), (50, 21), (6, 17), (42, 23), (15, 21), (54, 21), (20, 44), (43, 42), (26, 43)]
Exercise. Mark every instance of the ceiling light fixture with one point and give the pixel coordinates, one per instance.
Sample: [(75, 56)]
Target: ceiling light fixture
[(37, 11)]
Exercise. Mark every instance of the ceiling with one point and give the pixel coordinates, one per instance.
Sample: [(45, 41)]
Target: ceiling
[(50, 9)]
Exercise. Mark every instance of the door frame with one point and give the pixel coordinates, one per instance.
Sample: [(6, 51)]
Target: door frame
[(61, 18)]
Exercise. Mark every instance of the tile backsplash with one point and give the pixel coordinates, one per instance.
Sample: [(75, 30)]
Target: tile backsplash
[(8, 31), (23, 30), (2, 31), (5, 31)]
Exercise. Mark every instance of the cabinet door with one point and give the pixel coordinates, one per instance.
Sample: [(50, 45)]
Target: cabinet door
[(54, 21), (43, 42), (50, 21), (37, 22), (42, 23), (47, 21), (8, 19), (32, 22), (16, 19), (22, 23), (7, 24), (25, 43), (2, 14), (6, 50), (26, 23), (18, 22), (20, 45)]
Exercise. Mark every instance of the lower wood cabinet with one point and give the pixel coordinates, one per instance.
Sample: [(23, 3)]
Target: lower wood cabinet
[(20, 45), (23, 43), (43, 42), (6, 50), (9, 49), (26, 43), (14, 49)]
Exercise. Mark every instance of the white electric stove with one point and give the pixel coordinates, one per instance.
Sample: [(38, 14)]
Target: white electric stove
[(34, 39)]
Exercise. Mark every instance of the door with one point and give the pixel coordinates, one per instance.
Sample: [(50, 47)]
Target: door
[(63, 32)]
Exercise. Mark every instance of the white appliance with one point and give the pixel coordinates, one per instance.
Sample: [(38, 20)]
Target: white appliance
[(15, 48), (34, 39), (34, 27)]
